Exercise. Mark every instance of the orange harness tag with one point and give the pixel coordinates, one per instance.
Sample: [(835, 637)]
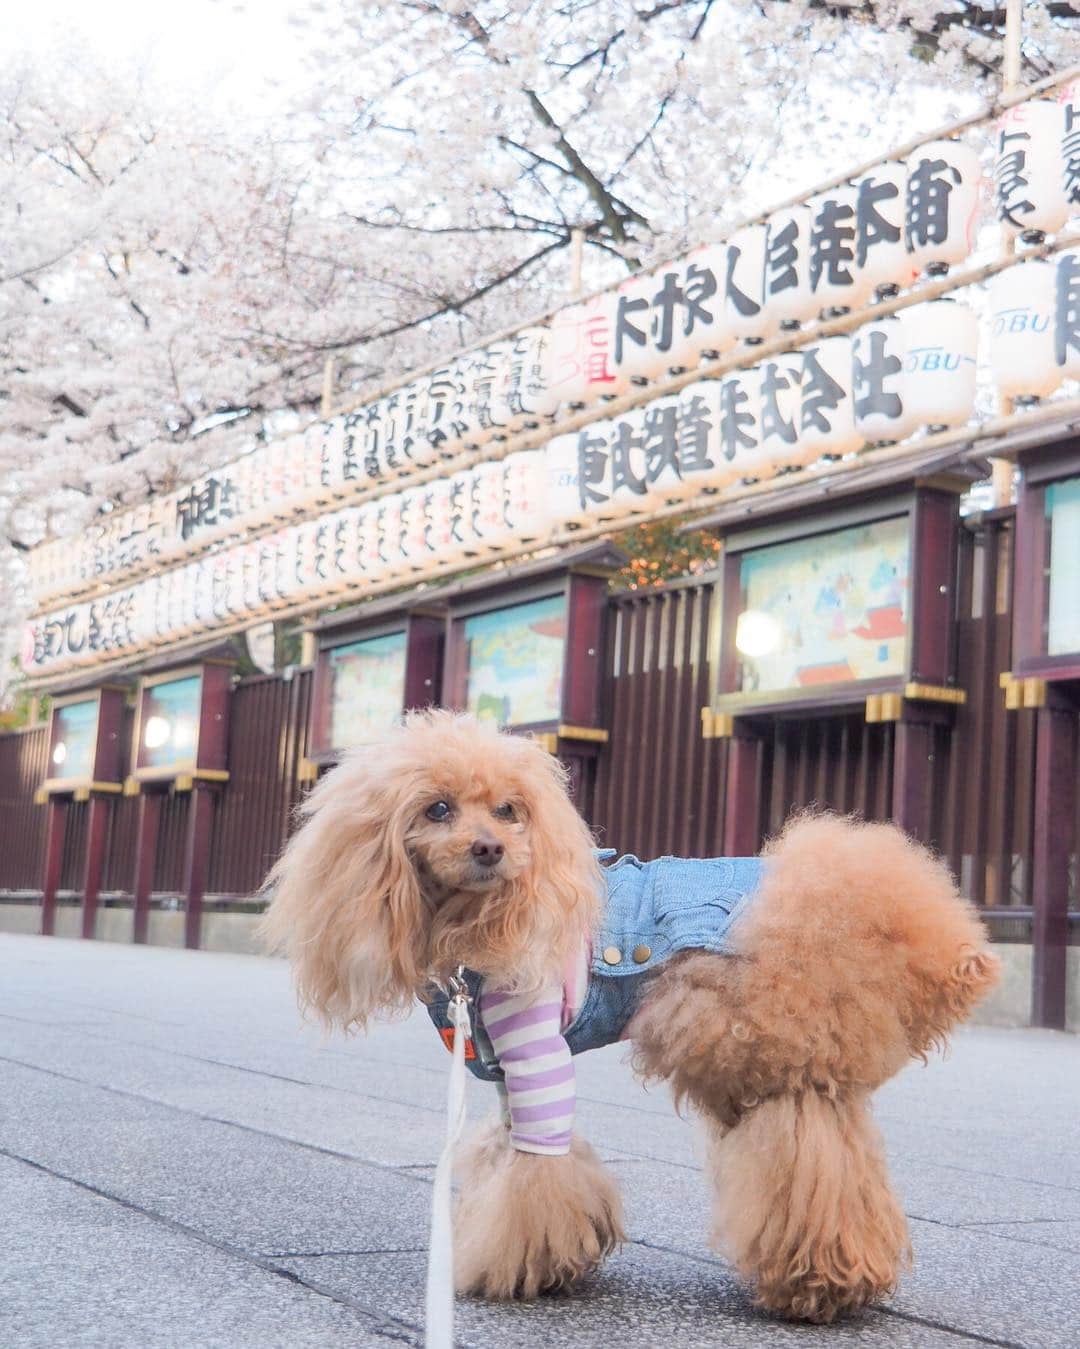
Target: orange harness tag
[(447, 1034)]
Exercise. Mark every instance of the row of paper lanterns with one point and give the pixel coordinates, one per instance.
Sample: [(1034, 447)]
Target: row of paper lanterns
[(832, 253)]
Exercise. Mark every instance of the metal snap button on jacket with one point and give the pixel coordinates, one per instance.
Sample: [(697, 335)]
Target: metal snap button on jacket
[(641, 954), (612, 955)]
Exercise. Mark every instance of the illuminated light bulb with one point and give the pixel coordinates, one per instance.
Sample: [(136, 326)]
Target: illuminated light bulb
[(756, 633), (156, 733), (59, 754)]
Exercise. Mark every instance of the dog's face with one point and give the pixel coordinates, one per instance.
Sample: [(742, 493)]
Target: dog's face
[(445, 843), (470, 834)]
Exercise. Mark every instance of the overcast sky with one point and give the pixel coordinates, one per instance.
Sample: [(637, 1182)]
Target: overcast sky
[(242, 50)]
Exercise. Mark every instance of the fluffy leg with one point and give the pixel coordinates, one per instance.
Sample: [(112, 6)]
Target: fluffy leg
[(526, 1223), (803, 1206)]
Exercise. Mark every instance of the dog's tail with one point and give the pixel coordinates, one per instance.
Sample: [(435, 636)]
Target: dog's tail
[(804, 1208)]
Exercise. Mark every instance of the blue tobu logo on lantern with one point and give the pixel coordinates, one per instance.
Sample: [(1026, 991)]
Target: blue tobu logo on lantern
[(1024, 319)]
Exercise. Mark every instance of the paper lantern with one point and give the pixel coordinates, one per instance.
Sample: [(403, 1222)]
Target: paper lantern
[(594, 471), (664, 478), (879, 355), (779, 399), (826, 408), (705, 330), (1069, 97), (330, 437), (525, 495), (1067, 314), (388, 533), (940, 367), (942, 203), (744, 283), (617, 466), (1022, 342), (412, 545), (646, 314), (490, 524), (881, 254), (701, 459), (739, 430), (836, 281), (1029, 185), (441, 416), (581, 355), (787, 298), (568, 511), (446, 549), (525, 393), (484, 379)]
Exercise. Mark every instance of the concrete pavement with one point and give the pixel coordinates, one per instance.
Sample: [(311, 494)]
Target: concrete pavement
[(181, 1165)]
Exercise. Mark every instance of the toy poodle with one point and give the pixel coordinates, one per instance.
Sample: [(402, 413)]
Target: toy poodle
[(774, 994)]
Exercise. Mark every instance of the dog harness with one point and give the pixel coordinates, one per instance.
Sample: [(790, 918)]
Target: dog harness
[(525, 1042)]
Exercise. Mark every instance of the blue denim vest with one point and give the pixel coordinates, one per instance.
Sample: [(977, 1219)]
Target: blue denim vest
[(653, 910)]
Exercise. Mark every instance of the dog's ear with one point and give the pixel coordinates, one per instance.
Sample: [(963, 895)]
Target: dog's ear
[(345, 903), (564, 876)]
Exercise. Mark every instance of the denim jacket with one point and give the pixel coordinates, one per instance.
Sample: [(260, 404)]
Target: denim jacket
[(653, 910)]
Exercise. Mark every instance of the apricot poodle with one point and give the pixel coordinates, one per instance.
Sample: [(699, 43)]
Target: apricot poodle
[(773, 994)]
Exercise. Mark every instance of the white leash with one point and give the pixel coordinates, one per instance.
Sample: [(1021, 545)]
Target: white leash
[(439, 1332)]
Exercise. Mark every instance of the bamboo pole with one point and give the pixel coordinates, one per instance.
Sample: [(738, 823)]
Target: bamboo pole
[(1001, 470)]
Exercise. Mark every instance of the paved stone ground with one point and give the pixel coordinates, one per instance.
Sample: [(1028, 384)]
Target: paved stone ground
[(181, 1165)]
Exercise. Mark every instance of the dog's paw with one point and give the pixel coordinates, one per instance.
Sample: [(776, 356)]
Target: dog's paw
[(528, 1224)]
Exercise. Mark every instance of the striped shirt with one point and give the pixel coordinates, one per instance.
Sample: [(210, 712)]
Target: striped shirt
[(525, 1030)]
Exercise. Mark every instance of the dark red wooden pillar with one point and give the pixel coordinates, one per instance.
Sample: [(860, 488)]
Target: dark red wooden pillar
[(913, 778), (1055, 812), (97, 833), (197, 858), (145, 857), (54, 856), (742, 801)]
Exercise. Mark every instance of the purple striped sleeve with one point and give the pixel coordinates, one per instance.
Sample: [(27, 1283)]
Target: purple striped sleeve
[(538, 1068)]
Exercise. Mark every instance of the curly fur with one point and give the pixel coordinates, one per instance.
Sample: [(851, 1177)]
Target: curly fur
[(528, 1224), (856, 955)]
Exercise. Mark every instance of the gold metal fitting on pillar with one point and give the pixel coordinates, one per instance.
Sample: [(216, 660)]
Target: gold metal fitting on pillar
[(716, 725)]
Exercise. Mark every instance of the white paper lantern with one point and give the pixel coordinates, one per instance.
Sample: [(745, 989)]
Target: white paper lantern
[(1029, 185), (330, 437), (1067, 313), (826, 408), (779, 397), (581, 355), (484, 378), (942, 341), (1022, 340), (739, 426), (388, 532), (744, 283), (619, 465), (489, 506), (664, 477), (567, 509), (706, 330), (412, 548), (525, 491), (1069, 97), (701, 458), (835, 278), (788, 298), (879, 356), (524, 391), (880, 252), (445, 549), (644, 326), (942, 204)]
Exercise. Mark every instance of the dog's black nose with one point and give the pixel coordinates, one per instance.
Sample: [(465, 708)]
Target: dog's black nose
[(487, 851)]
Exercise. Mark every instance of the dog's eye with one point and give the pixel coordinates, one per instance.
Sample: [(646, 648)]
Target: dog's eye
[(504, 812), (439, 811)]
